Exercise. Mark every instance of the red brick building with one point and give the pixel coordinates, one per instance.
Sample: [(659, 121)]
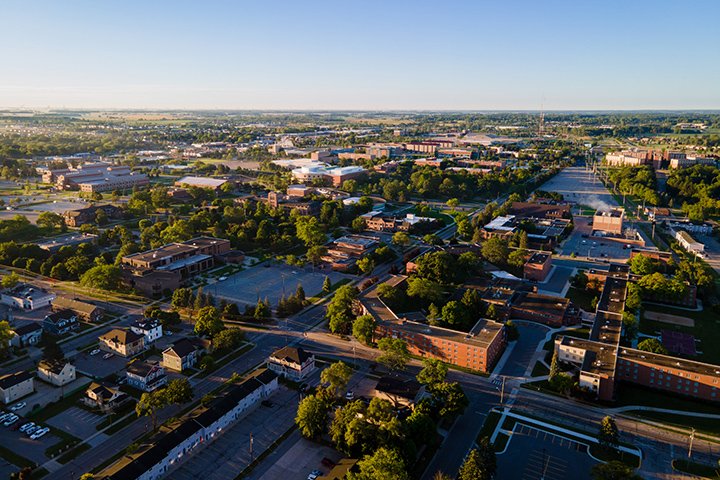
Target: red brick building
[(538, 266)]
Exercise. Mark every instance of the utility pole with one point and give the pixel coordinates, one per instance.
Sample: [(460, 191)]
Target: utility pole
[(692, 437), (252, 457), (502, 391)]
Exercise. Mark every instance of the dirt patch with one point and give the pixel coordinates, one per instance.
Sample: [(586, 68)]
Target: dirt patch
[(672, 319)]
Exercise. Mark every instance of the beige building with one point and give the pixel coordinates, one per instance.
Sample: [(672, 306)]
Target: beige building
[(181, 356), (56, 372), (609, 221), (125, 343), (16, 385)]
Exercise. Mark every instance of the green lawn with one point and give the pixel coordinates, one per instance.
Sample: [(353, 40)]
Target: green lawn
[(608, 455), (540, 369), (582, 298), (706, 329), (710, 426), (704, 471)]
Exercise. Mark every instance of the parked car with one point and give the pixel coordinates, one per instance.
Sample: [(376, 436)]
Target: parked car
[(349, 395), (107, 355), (33, 429), (222, 279), (26, 426), (40, 433), (314, 474), (4, 415), (17, 406), (10, 420), (95, 352)]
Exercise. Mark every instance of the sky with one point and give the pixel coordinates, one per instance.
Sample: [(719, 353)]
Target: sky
[(360, 55)]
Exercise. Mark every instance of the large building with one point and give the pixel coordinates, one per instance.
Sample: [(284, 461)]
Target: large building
[(383, 222), (202, 182), (16, 385), (56, 372), (321, 173), (294, 363), (609, 221), (344, 252), (88, 215), (538, 266), (83, 310), (170, 266), (95, 177), (478, 349), (26, 297), (54, 244)]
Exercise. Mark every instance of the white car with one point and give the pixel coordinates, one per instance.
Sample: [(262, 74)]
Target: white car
[(4, 415), (27, 426), (17, 406), (350, 395), (107, 355), (95, 352), (222, 279), (29, 431), (40, 433), (10, 420)]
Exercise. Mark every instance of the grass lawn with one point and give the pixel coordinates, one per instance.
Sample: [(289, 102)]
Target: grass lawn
[(74, 453), (609, 455), (229, 357), (628, 394), (540, 369), (704, 471), (706, 329), (582, 298), (488, 427), (710, 426)]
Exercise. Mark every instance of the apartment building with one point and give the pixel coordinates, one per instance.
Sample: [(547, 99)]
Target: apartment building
[(16, 385)]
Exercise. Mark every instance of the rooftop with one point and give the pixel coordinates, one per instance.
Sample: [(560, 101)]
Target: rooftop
[(203, 182)]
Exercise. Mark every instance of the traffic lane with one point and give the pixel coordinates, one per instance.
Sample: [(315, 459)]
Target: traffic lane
[(524, 350)]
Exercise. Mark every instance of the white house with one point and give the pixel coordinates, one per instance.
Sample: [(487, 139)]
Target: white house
[(149, 328), (56, 372), (26, 297), (293, 363), (25, 335), (196, 430), (16, 385), (145, 376)]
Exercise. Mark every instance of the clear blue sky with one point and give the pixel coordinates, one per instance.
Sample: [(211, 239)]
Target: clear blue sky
[(363, 54)]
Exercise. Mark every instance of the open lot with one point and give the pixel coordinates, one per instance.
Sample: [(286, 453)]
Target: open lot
[(534, 454), (672, 319), (579, 186), (301, 459), (706, 329), (271, 282), (76, 421), (57, 206), (583, 244), (95, 366)]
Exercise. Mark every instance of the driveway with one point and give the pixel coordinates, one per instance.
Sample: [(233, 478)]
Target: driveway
[(531, 335)]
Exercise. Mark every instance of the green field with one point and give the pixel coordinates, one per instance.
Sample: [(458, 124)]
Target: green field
[(706, 329)]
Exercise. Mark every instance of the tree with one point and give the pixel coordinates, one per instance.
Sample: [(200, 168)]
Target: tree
[(516, 258), (453, 203), (613, 470), (401, 238), (643, 265), (425, 289), (262, 310), (394, 353), (207, 322), (181, 298), (364, 328), (178, 391), (455, 314), (87, 476), (327, 285), (652, 345), (149, 404), (103, 277), (340, 309), (480, 464), (495, 250), (315, 254), (608, 436), (309, 231), (554, 367), (383, 464), (358, 224), (511, 331), (6, 334), (336, 376), (366, 264), (228, 339), (9, 281), (451, 398), (434, 372), (312, 416), (51, 349), (51, 221)]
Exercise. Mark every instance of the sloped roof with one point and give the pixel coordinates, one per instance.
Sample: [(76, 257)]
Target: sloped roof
[(292, 354)]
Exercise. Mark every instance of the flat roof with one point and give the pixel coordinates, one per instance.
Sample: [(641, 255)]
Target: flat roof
[(666, 361), (538, 257), (162, 252), (599, 358), (205, 182)]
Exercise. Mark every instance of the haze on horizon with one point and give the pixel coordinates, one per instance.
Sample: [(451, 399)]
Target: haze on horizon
[(324, 55)]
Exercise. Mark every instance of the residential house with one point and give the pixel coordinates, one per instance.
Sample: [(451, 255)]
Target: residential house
[(399, 392), (16, 385), (145, 376), (125, 343), (104, 397), (293, 363), (85, 311), (60, 323), (25, 335), (26, 297), (182, 355), (56, 372), (149, 328)]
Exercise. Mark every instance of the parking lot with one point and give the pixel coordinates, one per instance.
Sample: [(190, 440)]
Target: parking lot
[(271, 282), (23, 445), (76, 421), (583, 244), (46, 393), (301, 459), (577, 185), (534, 454), (95, 366)]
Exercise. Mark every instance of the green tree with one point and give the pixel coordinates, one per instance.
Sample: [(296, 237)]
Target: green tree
[(434, 372), (652, 345), (451, 398), (613, 470), (149, 404), (401, 238), (336, 376), (207, 322), (9, 281), (425, 289), (364, 328), (262, 310), (228, 339), (643, 265), (103, 277), (182, 297), (480, 464), (495, 250), (178, 391), (395, 354), (453, 203), (312, 416), (315, 254), (309, 231), (358, 224), (51, 221), (554, 366), (383, 464), (51, 349), (340, 309), (6, 335), (366, 264), (511, 331), (455, 314), (516, 258), (327, 285), (608, 436)]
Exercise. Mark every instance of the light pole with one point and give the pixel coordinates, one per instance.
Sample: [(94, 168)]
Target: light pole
[(692, 437)]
